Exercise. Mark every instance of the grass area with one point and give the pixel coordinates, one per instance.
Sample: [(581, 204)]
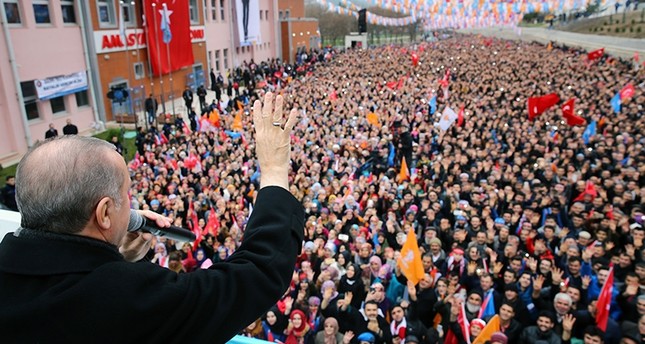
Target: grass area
[(128, 145), (129, 149), (525, 24), (628, 25), (7, 171)]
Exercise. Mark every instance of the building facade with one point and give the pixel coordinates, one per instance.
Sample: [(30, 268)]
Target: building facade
[(297, 32), (61, 58), (43, 73)]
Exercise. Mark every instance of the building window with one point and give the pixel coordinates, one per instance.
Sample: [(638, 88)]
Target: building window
[(12, 11), (286, 14), (28, 90), (221, 8), (217, 60), (57, 104), (214, 10), (69, 14), (225, 53), (128, 13), (139, 71), (82, 99), (280, 15), (105, 8), (194, 12), (260, 14), (41, 12), (266, 15)]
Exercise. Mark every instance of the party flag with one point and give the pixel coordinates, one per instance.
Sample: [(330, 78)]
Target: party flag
[(410, 260)]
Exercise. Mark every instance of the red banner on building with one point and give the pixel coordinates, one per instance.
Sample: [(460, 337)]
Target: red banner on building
[(168, 21)]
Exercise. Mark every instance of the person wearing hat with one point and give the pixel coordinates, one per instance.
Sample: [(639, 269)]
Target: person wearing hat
[(512, 297), (498, 338), (542, 332), (366, 338)]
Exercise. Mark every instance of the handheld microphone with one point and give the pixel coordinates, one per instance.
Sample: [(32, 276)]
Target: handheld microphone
[(142, 224)]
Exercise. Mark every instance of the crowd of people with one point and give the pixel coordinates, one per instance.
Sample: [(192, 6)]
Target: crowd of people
[(516, 219)]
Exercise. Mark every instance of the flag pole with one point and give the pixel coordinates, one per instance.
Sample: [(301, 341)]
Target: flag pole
[(172, 95), (136, 48), (144, 18), (124, 36), (156, 32)]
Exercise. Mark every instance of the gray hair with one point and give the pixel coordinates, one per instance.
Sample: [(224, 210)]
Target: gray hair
[(60, 181), (563, 296)]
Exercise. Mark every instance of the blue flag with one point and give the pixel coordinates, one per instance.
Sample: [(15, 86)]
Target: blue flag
[(494, 134), (165, 24), (433, 105), (589, 132), (488, 307), (615, 102), (390, 158)]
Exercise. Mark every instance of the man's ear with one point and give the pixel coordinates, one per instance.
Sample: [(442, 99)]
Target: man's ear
[(102, 213)]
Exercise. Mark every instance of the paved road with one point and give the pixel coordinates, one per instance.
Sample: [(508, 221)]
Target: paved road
[(623, 47)]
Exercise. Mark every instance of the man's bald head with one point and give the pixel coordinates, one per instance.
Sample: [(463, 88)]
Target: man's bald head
[(60, 181)]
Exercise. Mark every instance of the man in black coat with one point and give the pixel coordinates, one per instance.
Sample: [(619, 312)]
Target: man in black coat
[(9, 193), (69, 274), (69, 128), (51, 132), (188, 98), (201, 93)]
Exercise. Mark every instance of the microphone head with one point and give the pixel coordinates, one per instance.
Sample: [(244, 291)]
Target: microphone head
[(136, 221)]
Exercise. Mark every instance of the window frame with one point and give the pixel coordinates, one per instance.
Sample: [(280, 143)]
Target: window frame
[(214, 10), (59, 111), (139, 76), (18, 9), (87, 98), (129, 8), (40, 3), (193, 11), (29, 99), (222, 10), (109, 4), (68, 3), (225, 56), (217, 60)]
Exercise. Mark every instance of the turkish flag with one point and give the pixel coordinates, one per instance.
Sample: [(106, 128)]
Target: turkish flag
[(627, 92), (537, 105), (568, 114), (460, 116), (596, 54), (604, 301), (415, 59), (168, 21)]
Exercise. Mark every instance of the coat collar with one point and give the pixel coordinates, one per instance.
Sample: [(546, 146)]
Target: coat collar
[(40, 253)]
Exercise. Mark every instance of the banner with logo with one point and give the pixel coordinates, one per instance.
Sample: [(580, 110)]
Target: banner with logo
[(58, 86)]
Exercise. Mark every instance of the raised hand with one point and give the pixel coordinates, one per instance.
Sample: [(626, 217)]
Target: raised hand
[(273, 143), (556, 275), (567, 322), (538, 282)]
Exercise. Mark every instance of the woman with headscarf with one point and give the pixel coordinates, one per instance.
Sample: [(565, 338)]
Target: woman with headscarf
[(298, 330), (314, 315), (274, 324), (161, 255), (302, 292), (375, 268), (330, 334), (352, 282)]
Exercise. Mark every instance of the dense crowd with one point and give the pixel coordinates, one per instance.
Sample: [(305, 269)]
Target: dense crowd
[(517, 220)]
